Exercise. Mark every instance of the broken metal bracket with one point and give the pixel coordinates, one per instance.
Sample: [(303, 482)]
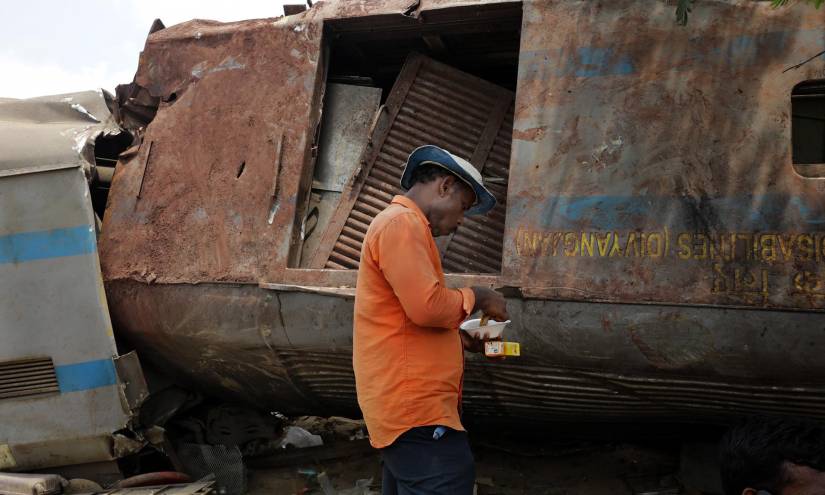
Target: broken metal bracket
[(134, 389)]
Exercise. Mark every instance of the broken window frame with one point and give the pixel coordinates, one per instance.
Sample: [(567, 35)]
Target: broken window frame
[(292, 273), (808, 90)]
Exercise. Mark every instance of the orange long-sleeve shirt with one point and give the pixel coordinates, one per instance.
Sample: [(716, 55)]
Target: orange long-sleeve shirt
[(407, 353)]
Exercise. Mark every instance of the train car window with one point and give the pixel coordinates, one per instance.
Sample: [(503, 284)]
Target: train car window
[(808, 128)]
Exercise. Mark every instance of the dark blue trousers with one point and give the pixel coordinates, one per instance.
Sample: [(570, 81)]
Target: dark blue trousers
[(417, 464)]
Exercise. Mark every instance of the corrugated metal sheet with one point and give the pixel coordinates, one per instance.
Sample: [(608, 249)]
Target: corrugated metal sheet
[(27, 377), (506, 390), (324, 377), (529, 390), (431, 103), (477, 245)]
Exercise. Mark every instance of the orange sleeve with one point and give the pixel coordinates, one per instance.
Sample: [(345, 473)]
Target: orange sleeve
[(403, 256), (469, 300)]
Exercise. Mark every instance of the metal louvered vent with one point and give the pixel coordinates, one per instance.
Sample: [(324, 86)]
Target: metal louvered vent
[(477, 245), (27, 377), (325, 376), (430, 103)]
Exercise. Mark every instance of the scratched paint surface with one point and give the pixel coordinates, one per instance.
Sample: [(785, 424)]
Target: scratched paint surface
[(653, 164)]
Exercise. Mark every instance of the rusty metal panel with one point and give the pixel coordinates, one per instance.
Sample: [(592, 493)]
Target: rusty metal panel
[(664, 175), (27, 377), (616, 131), (213, 192), (431, 103), (233, 96)]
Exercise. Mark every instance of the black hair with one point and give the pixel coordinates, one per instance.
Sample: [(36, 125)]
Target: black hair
[(427, 173), (753, 454)]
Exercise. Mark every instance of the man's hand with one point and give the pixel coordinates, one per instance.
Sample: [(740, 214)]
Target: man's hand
[(491, 303), (471, 344), (476, 345)]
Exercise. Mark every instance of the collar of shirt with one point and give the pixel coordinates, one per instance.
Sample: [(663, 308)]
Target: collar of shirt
[(410, 204)]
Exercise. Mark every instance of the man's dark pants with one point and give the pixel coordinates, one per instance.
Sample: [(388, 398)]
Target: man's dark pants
[(418, 464)]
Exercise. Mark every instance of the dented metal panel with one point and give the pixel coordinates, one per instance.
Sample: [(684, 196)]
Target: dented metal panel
[(54, 130)]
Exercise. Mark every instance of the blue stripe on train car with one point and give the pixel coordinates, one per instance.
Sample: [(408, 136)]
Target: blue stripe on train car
[(86, 376), (44, 244), (759, 212)]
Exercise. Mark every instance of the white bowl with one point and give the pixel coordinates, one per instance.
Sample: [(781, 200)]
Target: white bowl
[(491, 330)]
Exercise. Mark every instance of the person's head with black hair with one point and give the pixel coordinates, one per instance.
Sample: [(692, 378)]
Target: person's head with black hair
[(775, 456), (429, 173), (443, 197)]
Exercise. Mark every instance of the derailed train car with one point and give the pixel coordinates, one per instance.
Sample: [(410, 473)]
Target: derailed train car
[(660, 231)]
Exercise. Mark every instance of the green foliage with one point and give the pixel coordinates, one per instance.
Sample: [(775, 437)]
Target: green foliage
[(782, 3), (684, 7)]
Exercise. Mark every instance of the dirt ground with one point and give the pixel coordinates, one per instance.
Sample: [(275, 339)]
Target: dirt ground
[(504, 467)]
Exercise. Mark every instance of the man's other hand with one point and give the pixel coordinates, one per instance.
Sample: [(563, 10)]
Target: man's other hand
[(471, 344), (491, 303)]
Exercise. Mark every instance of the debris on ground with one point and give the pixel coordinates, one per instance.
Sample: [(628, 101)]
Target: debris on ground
[(246, 451), (297, 437), (52, 484), (31, 484), (333, 428)]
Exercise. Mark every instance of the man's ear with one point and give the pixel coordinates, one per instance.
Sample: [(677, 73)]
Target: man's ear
[(446, 185)]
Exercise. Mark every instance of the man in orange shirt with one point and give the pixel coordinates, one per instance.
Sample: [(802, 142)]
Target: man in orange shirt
[(408, 353)]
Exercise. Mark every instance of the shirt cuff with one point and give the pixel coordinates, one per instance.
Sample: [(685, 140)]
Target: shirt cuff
[(469, 300)]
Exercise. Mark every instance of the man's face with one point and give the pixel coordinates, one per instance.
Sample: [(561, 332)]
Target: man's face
[(453, 198)]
